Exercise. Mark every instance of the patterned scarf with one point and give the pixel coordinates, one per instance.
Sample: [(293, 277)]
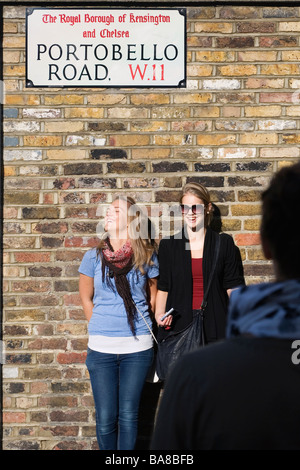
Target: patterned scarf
[(118, 264), (266, 310)]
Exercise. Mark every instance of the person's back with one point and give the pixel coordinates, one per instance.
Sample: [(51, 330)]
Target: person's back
[(239, 394), (244, 393)]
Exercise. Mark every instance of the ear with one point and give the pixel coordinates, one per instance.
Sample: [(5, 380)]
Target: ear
[(209, 207), (266, 249)]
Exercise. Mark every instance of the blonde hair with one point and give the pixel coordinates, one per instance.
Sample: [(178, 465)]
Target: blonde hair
[(143, 247), (201, 192)]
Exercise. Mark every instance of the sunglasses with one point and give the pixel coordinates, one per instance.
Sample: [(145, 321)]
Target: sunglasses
[(195, 208)]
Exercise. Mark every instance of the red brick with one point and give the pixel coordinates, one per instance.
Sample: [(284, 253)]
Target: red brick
[(245, 239), (276, 97), (51, 344), (71, 358), (72, 299), (14, 417), (32, 257)]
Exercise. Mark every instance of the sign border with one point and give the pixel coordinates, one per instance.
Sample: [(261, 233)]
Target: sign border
[(182, 84)]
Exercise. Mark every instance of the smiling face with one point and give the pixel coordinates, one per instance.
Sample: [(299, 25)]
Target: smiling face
[(116, 219), (192, 211)]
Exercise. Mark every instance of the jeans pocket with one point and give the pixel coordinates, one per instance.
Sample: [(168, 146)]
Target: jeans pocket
[(89, 355)]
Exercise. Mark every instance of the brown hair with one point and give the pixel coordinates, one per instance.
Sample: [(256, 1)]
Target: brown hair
[(200, 191), (143, 247)]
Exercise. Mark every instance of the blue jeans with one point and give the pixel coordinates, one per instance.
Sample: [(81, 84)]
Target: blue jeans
[(117, 382)]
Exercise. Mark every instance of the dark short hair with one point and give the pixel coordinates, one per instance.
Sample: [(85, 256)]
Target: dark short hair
[(280, 218)]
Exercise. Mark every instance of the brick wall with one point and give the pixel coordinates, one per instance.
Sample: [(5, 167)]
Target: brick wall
[(66, 151)]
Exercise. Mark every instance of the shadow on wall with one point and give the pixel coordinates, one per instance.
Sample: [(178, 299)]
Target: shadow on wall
[(216, 223)]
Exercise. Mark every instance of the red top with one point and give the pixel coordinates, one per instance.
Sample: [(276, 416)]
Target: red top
[(197, 273)]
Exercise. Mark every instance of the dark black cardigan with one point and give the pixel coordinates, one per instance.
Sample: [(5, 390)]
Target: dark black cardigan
[(176, 278)]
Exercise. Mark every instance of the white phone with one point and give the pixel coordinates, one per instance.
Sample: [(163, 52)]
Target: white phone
[(167, 314)]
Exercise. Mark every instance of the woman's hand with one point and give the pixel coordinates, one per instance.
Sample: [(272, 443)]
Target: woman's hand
[(166, 323)]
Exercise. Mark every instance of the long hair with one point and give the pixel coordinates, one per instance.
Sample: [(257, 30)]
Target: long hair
[(139, 234), (200, 191)]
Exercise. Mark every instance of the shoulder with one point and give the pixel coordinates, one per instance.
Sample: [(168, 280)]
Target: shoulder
[(177, 238), (228, 249), (226, 239), (166, 240), (227, 242), (152, 269), (91, 254), (164, 244), (89, 262), (223, 238), (90, 257)]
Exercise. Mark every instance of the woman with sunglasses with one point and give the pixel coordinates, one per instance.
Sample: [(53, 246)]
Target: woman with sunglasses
[(185, 262)]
